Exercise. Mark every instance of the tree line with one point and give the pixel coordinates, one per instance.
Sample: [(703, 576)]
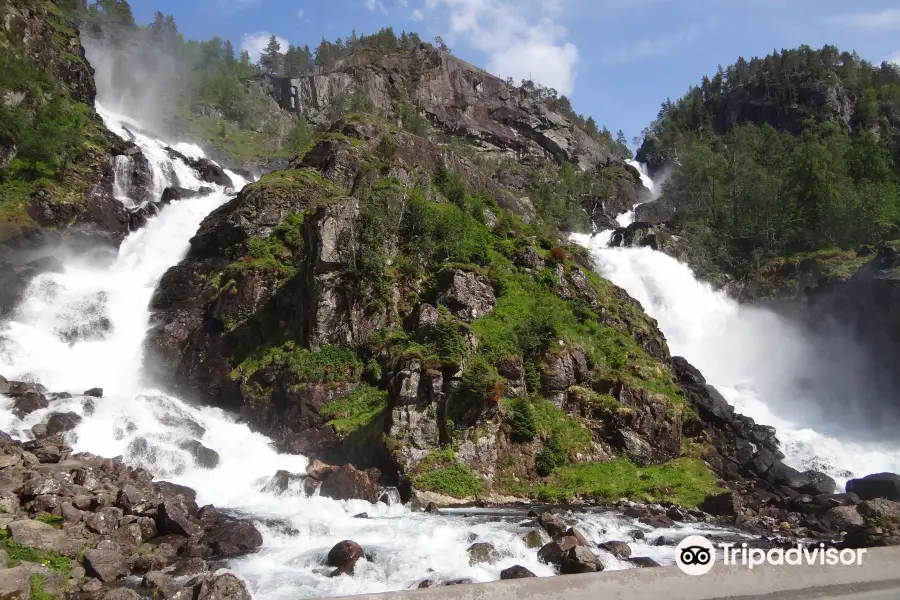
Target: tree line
[(795, 152)]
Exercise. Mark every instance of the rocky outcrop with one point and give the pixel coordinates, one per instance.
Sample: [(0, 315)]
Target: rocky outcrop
[(97, 515)]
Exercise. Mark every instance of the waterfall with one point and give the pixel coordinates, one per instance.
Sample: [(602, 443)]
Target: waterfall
[(766, 366), (85, 327)]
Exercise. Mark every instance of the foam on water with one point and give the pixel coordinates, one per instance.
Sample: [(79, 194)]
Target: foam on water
[(761, 363)]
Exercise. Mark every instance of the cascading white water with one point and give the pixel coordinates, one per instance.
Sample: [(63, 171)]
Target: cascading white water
[(761, 363), (85, 327)]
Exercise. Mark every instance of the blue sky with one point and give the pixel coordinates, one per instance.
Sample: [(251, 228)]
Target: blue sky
[(616, 59)]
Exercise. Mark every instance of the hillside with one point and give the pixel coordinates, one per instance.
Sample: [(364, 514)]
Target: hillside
[(795, 152)]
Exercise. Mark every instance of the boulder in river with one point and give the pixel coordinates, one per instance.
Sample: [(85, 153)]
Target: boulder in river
[(516, 572), (344, 556)]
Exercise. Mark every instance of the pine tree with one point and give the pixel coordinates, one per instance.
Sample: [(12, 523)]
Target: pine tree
[(270, 60)]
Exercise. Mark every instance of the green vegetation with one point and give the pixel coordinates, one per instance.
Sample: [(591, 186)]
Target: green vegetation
[(521, 419), (54, 520), (36, 585), (360, 409), (16, 553), (54, 139), (787, 177), (442, 472), (686, 481), (328, 365), (564, 436)]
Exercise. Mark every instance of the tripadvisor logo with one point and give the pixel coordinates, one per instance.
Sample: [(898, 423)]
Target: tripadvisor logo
[(696, 555)]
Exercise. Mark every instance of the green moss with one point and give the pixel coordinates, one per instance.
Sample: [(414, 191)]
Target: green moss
[(16, 553), (619, 478), (276, 252), (328, 364), (360, 409), (603, 403), (442, 472), (54, 520), (237, 143)]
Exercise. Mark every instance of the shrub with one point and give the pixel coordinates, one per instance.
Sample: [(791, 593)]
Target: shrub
[(441, 472), (521, 419), (552, 456), (387, 146), (358, 410), (557, 255), (479, 380)]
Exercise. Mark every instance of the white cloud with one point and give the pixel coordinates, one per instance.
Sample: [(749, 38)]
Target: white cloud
[(521, 38), (884, 20), (376, 4), (894, 58), (417, 15), (648, 48), (255, 43)]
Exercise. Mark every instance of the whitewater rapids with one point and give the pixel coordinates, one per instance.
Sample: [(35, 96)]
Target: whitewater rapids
[(761, 363), (85, 327)]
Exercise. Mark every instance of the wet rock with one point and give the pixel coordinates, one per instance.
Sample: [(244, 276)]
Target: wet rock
[(4, 386), (819, 483), (482, 552), (616, 548), (349, 483), (93, 393), (466, 294), (432, 508), (204, 457), (189, 566), (657, 521), (572, 532), (725, 504), (227, 537), (344, 556), (877, 485), (178, 193), (516, 572), (35, 534), (580, 559), (425, 583), (361, 516), (643, 562), (282, 481), (463, 581), (390, 496), (533, 539), (553, 524), (29, 402), (554, 552), (134, 501), (211, 172), (319, 470), (173, 519), (61, 422), (105, 565)]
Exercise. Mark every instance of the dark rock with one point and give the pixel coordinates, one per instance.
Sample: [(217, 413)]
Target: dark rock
[(174, 519), (643, 562), (93, 393), (819, 483), (105, 565), (463, 581), (35, 534), (348, 483), (230, 537), (204, 457), (178, 193), (104, 521), (572, 532), (580, 559), (344, 555), (27, 403), (616, 548), (319, 470), (726, 504), (61, 422), (432, 508), (134, 501), (119, 593), (878, 485), (516, 572), (221, 587), (553, 524), (161, 585), (844, 518), (282, 481), (211, 172), (361, 516), (555, 552), (482, 553), (533, 539)]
